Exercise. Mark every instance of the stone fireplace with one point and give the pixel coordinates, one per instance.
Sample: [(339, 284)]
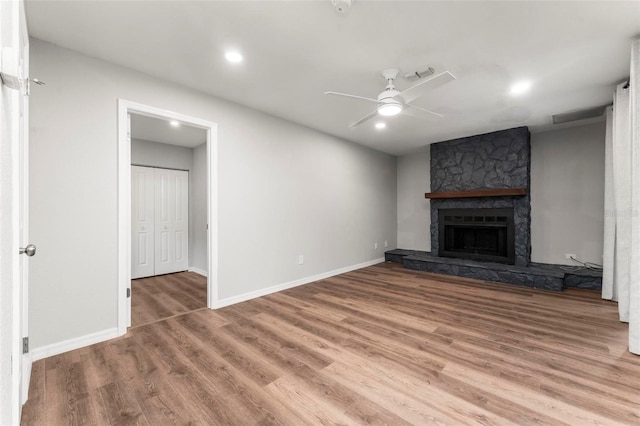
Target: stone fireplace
[(481, 216), (480, 199)]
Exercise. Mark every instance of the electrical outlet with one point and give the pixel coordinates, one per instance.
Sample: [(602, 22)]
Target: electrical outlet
[(300, 260), (375, 246), (386, 244), (569, 256)]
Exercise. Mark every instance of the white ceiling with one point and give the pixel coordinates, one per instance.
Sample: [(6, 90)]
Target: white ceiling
[(158, 130), (573, 52)]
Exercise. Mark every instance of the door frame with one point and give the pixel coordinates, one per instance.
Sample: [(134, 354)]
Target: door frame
[(126, 107), (27, 358)]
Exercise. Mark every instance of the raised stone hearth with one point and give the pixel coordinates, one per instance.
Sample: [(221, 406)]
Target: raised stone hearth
[(535, 275)]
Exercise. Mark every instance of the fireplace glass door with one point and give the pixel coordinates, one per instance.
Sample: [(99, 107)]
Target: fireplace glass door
[(477, 234)]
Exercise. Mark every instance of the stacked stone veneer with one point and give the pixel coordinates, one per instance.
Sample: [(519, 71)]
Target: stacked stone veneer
[(493, 160)]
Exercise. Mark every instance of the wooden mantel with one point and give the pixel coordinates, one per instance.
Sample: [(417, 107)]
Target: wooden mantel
[(498, 192)]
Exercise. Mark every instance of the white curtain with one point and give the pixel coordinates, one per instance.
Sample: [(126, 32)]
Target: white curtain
[(634, 274), (609, 291), (621, 256)]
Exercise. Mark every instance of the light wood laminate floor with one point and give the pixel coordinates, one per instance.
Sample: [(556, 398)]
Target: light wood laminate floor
[(163, 296), (380, 345)]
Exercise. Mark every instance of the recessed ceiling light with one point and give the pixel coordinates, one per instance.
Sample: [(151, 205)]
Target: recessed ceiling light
[(233, 56), (520, 88), (380, 125), (174, 123)]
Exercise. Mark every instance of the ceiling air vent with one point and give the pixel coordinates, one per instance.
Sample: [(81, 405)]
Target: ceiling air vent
[(418, 74), (582, 114)]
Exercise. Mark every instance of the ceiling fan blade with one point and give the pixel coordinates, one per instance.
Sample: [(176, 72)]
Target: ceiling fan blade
[(417, 90), (426, 110), (351, 96), (365, 118)]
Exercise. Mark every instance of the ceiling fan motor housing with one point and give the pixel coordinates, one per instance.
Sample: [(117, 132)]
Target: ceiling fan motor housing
[(388, 96)]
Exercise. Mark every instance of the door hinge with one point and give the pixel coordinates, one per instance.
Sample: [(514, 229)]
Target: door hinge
[(128, 292), (22, 85), (28, 85), (25, 345)]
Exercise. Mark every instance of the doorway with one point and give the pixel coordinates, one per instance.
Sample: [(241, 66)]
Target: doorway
[(204, 274)]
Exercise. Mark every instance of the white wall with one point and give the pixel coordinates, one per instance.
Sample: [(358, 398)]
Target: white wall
[(567, 194), (414, 218), (283, 190)]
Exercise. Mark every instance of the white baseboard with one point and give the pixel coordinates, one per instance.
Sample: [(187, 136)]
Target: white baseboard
[(197, 271), (75, 343), (280, 287)]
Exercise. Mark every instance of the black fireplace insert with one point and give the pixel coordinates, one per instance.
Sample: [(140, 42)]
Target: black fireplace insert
[(477, 234)]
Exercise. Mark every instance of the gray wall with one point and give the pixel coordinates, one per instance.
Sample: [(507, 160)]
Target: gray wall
[(198, 217), (283, 190), (413, 209), (567, 195), (146, 153), (149, 153)]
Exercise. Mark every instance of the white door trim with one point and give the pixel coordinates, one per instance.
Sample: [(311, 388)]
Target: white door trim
[(125, 107)]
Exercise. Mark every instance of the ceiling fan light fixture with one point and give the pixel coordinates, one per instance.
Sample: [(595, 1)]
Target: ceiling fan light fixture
[(389, 109), (520, 88), (233, 56)]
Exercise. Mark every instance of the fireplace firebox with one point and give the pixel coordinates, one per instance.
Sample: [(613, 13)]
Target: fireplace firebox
[(477, 234)]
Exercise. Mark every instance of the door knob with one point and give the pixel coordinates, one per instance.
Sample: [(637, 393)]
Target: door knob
[(29, 250)]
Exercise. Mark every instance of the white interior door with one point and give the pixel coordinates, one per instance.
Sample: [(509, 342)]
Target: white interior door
[(171, 221), (142, 222), (24, 219), (15, 364)]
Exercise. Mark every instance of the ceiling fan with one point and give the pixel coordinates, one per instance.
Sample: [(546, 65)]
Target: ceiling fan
[(392, 102)]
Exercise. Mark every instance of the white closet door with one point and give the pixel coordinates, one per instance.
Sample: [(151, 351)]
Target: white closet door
[(171, 221), (142, 222)]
